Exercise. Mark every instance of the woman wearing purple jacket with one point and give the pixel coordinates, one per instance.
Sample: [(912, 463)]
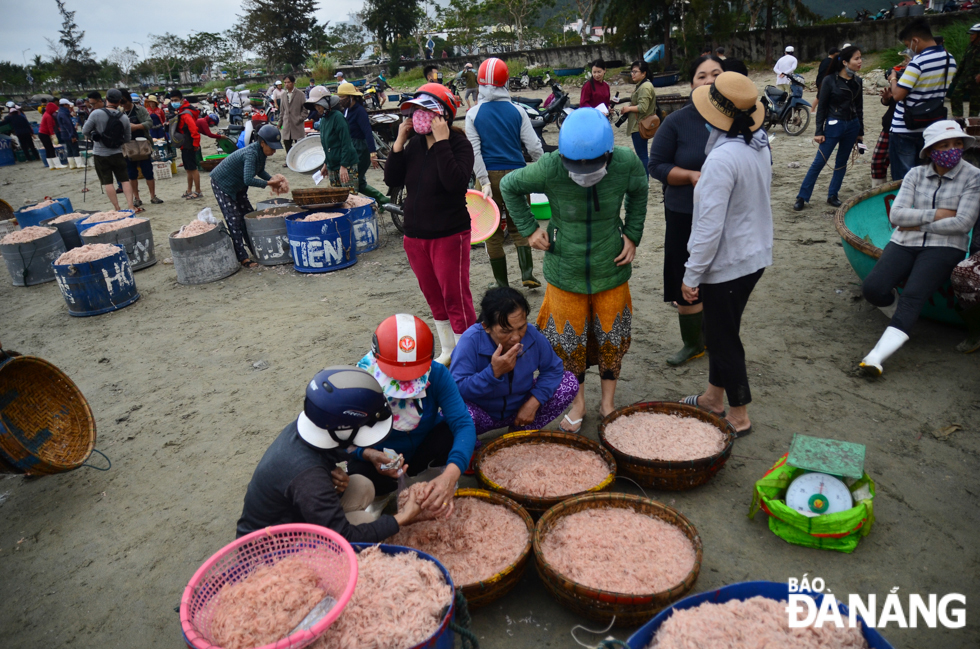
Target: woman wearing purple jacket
[(494, 364)]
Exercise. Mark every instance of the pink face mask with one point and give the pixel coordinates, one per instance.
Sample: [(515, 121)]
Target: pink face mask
[(422, 121)]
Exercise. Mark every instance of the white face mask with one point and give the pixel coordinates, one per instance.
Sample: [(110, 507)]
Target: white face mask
[(588, 180)]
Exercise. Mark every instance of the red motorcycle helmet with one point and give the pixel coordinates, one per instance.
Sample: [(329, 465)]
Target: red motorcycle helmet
[(403, 347), (493, 72), (440, 94)]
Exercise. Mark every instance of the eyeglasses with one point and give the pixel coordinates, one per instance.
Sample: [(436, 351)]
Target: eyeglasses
[(634, 71)]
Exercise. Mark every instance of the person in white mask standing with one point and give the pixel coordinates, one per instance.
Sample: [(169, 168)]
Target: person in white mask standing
[(785, 66), (587, 310)]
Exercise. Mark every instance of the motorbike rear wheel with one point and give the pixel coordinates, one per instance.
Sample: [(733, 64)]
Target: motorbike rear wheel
[(796, 120)]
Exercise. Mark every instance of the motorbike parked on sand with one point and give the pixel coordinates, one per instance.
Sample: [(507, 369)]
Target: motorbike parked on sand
[(787, 108)]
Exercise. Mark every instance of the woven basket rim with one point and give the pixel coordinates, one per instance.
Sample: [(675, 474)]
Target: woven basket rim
[(691, 412), (514, 506), (852, 239), (546, 437), (89, 417), (595, 501)]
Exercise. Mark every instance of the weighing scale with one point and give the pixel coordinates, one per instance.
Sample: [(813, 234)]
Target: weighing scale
[(820, 491)]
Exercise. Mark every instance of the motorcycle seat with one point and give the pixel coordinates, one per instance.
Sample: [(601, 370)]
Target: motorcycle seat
[(775, 93), (527, 101)]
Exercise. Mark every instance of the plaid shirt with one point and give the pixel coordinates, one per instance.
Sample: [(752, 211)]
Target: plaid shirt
[(240, 170), (923, 192)]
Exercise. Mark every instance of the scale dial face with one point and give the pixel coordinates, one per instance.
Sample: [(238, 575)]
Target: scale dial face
[(815, 494)]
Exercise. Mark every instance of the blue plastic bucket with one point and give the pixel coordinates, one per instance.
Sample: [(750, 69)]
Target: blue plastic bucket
[(59, 150), (82, 227), (27, 217), (443, 637), (364, 220), (97, 287), (321, 246), (742, 591), (7, 157)]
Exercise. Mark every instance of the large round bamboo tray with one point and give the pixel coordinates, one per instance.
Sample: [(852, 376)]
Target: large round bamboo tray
[(661, 474), (534, 505), (603, 605), (320, 195), (46, 425), (483, 592)]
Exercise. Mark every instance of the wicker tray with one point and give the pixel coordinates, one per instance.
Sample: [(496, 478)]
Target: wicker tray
[(660, 474), (534, 505), (483, 592), (46, 425), (320, 196), (602, 605)]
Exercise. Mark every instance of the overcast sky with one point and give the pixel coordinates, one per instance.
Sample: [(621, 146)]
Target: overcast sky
[(109, 24)]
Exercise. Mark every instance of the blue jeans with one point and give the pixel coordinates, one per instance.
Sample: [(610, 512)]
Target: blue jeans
[(841, 135), (903, 151), (641, 151)]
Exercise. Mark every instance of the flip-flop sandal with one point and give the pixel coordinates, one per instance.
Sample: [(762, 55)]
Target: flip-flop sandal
[(693, 401), (186, 194), (248, 263), (573, 422), (739, 434), (139, 210)]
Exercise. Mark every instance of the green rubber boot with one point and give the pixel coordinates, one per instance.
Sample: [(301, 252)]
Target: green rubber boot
[(692, 337), (499, 267), (524, 258), (971, 317), (371, 192)]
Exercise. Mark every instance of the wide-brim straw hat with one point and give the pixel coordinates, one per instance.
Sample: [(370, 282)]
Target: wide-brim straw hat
[(945, 129), (719, 102)]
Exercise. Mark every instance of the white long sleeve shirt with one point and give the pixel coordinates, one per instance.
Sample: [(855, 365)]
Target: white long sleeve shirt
[(785, 67)]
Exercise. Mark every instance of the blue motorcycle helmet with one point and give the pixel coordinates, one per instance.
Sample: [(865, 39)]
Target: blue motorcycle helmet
[(585, 141), (344, 406)]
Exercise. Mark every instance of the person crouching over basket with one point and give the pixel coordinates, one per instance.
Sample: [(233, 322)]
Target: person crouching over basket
[(340, 156), (233, 176), (494, 366), (301, 477), (431, 426)]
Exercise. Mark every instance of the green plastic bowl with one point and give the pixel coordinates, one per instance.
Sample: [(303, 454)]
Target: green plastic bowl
[(219, 156), (541, 209)]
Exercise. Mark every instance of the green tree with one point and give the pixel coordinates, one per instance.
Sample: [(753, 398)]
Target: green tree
[(279, 30), (204, 48), (125, 61), (170, 50), (461, 19), (348, 41), (233, 53), (75, 66), (390, 20), (780, 12), (519, 14)]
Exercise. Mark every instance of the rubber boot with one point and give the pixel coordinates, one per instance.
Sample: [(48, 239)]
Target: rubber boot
[(52, 163), (499, 268), (877, 182), (889, 343), (693, 339), (79, 162), (71, 163), (447, 341), (371, 192), (971, 317), (526, 261)]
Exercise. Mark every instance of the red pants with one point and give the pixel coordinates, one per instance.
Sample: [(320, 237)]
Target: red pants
[(442, 267)]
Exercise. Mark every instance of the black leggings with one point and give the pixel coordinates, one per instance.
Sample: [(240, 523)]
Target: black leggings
[(432, 451), (676, 234), (723, 307), (923, 270)]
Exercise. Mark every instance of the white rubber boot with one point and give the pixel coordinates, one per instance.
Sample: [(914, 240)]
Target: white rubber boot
[(52, 163), (889, 343), (79, 162), (877, 182), (71, 163), (59, 164), (890, 309), (447, 341)]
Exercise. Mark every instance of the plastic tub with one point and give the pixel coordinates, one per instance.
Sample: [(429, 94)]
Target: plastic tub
[(205, 258), (364, 220), (136, 240), (99, 286), (68, 230), (269, 237), (540, 207), (6, 152), (321, 246), (82, 227), (742, 591), (27, 217), (30, 263)]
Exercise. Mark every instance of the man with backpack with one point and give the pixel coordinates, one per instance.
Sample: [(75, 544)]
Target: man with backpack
[(108, 128), (185, 135)]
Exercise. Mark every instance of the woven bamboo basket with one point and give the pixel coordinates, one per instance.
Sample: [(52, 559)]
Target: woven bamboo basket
[(660, 474), (320, 195), (849, 237), (534, 505), (483, 592), (46, 425), (6, 211), (602, 605), (209, 165)]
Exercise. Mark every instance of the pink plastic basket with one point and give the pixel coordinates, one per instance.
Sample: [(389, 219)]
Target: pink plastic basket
[(322, 549), (484, 216)]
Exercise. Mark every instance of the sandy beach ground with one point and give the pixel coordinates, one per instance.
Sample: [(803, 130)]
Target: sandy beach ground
[(94, 560)]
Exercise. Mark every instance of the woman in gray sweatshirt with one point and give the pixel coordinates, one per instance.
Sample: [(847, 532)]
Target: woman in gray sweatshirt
[(731, 235)]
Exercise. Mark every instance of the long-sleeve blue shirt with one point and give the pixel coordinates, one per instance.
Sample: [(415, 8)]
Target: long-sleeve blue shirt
[(66, 127), (360, 125), (441, 395), (502, 397)]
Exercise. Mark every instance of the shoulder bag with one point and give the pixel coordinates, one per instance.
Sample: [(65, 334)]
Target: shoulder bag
[(927, 112)]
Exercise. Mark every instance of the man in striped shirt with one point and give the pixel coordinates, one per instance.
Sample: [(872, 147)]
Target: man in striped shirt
[(927, 77)]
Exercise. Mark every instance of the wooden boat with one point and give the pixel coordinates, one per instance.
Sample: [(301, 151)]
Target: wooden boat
[(664, 80), (568, 72), (862, 223)]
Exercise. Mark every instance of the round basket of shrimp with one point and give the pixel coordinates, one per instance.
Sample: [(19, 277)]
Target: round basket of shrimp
[(615, 557), (667, 445), (484, 544), (541, 468)]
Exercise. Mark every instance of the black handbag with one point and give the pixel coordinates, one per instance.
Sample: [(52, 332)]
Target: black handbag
[(930, 111)]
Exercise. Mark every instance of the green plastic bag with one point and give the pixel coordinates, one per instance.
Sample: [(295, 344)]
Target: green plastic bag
[(841, 531)]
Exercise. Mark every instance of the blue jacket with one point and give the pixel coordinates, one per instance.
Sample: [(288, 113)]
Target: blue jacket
[(360, 125), (441, 395), (66, 127), (501, 398)]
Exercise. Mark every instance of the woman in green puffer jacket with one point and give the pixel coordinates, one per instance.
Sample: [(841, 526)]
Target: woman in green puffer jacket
[(587, 311)]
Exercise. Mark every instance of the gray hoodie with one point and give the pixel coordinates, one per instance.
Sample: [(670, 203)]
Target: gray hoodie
[(731, 232), (97, 121)]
